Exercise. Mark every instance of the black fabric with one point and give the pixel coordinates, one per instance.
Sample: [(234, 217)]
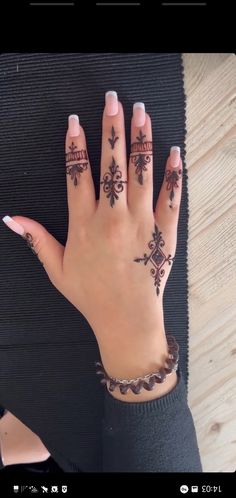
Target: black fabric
[(47, 349), (48, 466), (153, 436)]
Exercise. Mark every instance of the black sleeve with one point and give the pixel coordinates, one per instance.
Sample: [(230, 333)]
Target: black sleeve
[(152, 436)]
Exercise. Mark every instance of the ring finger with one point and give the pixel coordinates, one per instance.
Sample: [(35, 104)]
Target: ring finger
[(80, 186)]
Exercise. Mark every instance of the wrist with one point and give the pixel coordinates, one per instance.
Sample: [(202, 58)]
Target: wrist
[(143, 387), (158, 391), (126, 359)]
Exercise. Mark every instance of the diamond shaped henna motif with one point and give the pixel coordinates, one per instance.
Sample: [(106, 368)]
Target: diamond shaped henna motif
[(156, 258)]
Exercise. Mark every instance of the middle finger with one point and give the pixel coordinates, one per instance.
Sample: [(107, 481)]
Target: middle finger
[(113, 184)]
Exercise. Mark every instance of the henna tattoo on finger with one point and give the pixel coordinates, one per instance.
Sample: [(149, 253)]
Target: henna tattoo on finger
[(112, 141), (172, 177), (76, 163), (141, 153), (29, 241), (156, 258), (112, 182)]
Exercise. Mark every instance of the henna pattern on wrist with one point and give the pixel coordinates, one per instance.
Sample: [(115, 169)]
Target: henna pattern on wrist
[(76, 163), (157, 258), (29, 241), (113, 138), (141, 153), (112, 183), (172, 178)]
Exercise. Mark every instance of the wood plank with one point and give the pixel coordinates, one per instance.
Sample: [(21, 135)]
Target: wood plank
[(210, 85)]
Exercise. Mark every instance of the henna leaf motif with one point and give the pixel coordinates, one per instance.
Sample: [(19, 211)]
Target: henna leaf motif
[(113, 138), (172, 178), (140, 137)]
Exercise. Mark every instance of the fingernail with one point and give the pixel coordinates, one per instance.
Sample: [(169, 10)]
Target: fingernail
[(111, 101), (174, 156), (139, 114), (73, 125), (13, 225)]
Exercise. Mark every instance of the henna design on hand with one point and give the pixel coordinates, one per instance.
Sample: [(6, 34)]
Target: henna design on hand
[(112, 183), (29, 241), (76, 163), (156, 257), (172, 178), (113, 138), (141, 152)]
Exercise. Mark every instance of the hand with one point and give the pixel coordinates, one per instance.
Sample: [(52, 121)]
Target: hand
[(106, 269)]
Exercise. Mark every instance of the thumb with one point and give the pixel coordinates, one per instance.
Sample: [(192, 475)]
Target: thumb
[(49, 251)]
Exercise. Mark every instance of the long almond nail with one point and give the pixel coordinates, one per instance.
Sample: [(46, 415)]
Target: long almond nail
[(139, 114), (73, 125), (174, 156), (111, 101), (13, 225)]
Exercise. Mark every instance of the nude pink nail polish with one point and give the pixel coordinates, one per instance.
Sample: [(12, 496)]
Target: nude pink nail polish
[(73, 125), (111, 103), (13, 225), (174, 156), (139, 115)]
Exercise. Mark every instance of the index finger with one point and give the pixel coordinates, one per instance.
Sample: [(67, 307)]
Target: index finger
[(168, 203)]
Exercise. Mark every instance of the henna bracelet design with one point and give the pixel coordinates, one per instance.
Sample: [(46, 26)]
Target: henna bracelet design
[(148, 381)]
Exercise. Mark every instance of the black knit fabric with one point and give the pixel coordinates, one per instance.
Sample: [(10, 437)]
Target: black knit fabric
[(47, 349), (155, 436)]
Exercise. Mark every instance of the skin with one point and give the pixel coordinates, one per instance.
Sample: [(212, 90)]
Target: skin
[(96, 271), (18, 443)]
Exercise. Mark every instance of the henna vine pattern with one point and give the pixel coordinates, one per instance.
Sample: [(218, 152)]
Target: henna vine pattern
[(141, 152), (112, 183), (29, 241), (172, 178), (156, 257), (113, 138), (76, 163)]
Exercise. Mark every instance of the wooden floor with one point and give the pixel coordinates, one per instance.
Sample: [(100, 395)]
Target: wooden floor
[(210, 85)]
